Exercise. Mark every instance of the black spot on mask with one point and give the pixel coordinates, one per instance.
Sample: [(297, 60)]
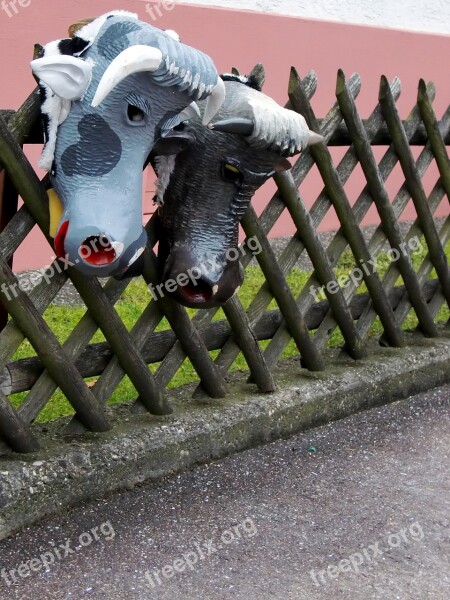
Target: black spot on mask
[(96, 153), (72, 46)]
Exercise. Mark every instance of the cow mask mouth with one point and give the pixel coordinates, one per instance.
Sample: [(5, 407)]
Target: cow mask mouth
[(195, 295), (97, 250), (196, 283)]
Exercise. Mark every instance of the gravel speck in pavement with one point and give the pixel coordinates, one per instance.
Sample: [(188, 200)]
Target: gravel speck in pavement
[(365, 516)]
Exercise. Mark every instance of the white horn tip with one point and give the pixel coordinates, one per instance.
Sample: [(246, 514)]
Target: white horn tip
[(191, 111), (173, 34), (214, 102), (314, 138)]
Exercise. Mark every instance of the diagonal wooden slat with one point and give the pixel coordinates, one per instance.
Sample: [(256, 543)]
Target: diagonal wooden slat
[(13, 430), (347, 219), (381, 199), (118, 337), (9, 200), (433, 129), (246, 340), (339, 242), (319, 259), (415, 186), (188, 335), (25, 118), (115, 332), (12, 336), (424, 272), (280, 289), (435, 137), (51, 353), (21, 375)]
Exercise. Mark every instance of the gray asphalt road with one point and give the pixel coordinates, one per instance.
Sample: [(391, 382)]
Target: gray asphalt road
[(359, 509)]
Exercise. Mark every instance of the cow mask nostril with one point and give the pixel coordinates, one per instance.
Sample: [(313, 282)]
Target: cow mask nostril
[(198, 293), (97, 250)]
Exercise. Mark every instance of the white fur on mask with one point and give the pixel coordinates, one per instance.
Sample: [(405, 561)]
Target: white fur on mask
[(165, 166)]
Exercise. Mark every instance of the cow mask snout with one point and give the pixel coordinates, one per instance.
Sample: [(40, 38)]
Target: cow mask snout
[(200, 283)]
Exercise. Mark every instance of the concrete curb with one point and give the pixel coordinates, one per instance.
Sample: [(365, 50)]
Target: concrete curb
[(141, 448)]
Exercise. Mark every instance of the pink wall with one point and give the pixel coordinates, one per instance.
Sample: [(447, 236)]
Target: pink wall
[(241, 39)]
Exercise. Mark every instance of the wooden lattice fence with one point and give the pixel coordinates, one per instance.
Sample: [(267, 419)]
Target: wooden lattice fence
[(308, 322)]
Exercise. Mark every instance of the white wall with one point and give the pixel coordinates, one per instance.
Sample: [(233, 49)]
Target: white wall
[(418, 15)]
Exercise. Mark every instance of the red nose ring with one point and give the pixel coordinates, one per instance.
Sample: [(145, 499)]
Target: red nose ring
[(97, 250), (60, 238)]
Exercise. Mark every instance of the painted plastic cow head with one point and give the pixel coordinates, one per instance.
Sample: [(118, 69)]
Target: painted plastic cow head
[(106, 93), (207, 177)]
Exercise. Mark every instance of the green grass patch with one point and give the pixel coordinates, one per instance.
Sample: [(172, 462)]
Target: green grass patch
[(63, 319)]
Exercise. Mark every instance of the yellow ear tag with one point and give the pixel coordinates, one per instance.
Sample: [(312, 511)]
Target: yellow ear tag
[(55, 209)]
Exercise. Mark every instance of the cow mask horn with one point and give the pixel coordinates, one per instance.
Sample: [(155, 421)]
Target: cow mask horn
[(138, 59), (267, 127)]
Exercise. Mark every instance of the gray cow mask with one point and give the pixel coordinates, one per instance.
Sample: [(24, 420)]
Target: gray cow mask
[(104, 94), (207, 178)]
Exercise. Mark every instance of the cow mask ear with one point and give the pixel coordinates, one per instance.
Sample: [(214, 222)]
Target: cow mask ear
[(67, 76), (173, 142)]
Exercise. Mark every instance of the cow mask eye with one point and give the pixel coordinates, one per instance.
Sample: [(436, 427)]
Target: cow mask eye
[(135, 114), (138, 109), (232, 174)]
